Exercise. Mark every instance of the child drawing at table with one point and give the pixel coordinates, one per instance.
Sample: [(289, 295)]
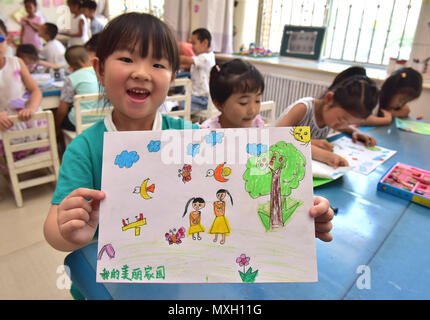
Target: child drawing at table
[(136, 61), (348, 101), (19, 93), (195, 217), (220, 224), (236, 88), (400, 88)]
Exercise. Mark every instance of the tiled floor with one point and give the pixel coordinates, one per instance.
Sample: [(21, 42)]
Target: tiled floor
[(28, 264)]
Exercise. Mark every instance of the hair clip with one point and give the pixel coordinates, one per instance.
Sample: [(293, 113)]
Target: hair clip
[(403, 75), (217, 68)]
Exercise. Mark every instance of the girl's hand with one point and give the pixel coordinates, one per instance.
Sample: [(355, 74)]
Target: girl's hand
[(387, 115), (334, 160), (5, 121), (323, 214), (78, 218), (25, 114), (322, 143), (368, 141)]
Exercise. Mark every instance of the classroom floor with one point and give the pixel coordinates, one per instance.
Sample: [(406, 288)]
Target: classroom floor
[(28, 265)]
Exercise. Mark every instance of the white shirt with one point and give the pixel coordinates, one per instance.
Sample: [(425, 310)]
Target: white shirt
[(53, 51), (200, 72), (110, 126), (74, 24)]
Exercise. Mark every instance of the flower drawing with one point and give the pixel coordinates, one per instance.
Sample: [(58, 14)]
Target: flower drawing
[(247, 276)]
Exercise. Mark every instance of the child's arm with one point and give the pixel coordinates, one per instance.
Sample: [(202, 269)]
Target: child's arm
[(73, 223), (77, 34), (322, 143), (34, 26), (293, 116), (378, 121), (33, 90), (403, 112), (60, 114), (323, 214), (48, 65), (326, 156), (357, 135), (186, 61)]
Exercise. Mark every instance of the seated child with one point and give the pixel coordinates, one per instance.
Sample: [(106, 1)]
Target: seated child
[(53, 50), (403, 86), (28, 53), (200, 66), (349, 100), (19, 94), (30, 25), (82, 80), (236, 88), (89, 8)]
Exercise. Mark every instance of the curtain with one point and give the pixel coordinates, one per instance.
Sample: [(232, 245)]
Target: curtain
[(184, 16)]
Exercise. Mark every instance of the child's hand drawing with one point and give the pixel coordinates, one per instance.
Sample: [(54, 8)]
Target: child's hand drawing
[(78, 218)]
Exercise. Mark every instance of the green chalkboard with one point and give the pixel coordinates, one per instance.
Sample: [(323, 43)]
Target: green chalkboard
[(302, 42)]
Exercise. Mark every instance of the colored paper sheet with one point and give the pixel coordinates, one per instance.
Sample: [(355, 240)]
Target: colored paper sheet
[(413, 126)]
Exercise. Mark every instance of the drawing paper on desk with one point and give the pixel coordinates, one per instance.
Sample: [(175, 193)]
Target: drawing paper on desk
[(202, 206), (361, 158), (413, 126)]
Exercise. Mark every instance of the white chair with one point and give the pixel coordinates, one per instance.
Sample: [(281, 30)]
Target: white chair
[(46, 162), (268, 111), (100, 113), (186, 97)]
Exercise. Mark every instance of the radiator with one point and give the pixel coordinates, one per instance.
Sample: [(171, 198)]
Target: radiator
[(285, 90)]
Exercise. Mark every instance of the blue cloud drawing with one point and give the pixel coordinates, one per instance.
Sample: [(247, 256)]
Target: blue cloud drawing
[(213, 138), (193, 149), (154, 146), (126, 159), (256, 149)]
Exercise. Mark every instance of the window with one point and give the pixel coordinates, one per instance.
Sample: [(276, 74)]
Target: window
[(155, 7), (362, 31)]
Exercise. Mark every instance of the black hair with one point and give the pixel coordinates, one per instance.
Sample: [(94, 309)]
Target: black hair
[(354, 92), (90, 4), (128, 30), (76, 56), (34, 2), (75, 2), (27, 49), (3, 27), (51, 30), (203, 34), (404, 80), (232, 77), (226, 191), (194, 200), (91, 45)]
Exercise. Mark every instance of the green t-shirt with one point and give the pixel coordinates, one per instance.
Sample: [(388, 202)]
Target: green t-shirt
[(81, 165)]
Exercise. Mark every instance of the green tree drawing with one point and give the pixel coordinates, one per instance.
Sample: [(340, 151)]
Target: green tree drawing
[(276, 172)]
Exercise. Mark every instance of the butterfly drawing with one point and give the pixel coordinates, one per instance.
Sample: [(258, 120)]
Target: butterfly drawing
[(175, 237), (213, 138), (193, 149)]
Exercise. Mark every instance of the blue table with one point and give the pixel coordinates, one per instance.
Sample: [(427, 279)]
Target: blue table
[(380, 247)]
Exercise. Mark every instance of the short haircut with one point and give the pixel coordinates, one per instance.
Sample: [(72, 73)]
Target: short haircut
[(75, 2), (89, 4), (51, 30), (131, 31), (203, 34), (91, 45), (235, 76), (76, 56), (27, 49), (405, 80), (34, 2)]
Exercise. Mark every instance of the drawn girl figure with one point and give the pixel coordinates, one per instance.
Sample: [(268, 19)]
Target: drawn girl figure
[(195, 217), (220, 224)]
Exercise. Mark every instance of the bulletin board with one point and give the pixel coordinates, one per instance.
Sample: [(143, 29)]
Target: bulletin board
[(302, 42)]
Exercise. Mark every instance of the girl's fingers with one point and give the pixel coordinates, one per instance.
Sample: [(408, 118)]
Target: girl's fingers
[(326, 237), (75, 202), (73, 214), (323, 227), (87, 193)]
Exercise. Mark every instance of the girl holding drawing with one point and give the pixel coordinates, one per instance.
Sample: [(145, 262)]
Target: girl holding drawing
[(220, 224), (401, 87), (136, 61), (195, 217), (349, 100)]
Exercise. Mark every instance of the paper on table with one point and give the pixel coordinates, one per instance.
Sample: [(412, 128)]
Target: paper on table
[(413, 126), (201, 206), (322, 170)]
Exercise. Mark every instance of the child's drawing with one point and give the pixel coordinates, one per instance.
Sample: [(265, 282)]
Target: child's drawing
[(140, 221), (235, 206), (302, 134), (220, 173), (174, 236), (275, 173), (248, 276), (220, 224), (185, 173), (195, 217), (144, 189)]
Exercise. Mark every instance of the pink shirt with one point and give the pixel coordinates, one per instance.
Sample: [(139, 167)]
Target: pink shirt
[(31, 36), (213, 123)]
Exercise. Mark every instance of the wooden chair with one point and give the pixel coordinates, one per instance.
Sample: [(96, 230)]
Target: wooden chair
[(186, 112), (80, 114), (268, 112), (46, 162)]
